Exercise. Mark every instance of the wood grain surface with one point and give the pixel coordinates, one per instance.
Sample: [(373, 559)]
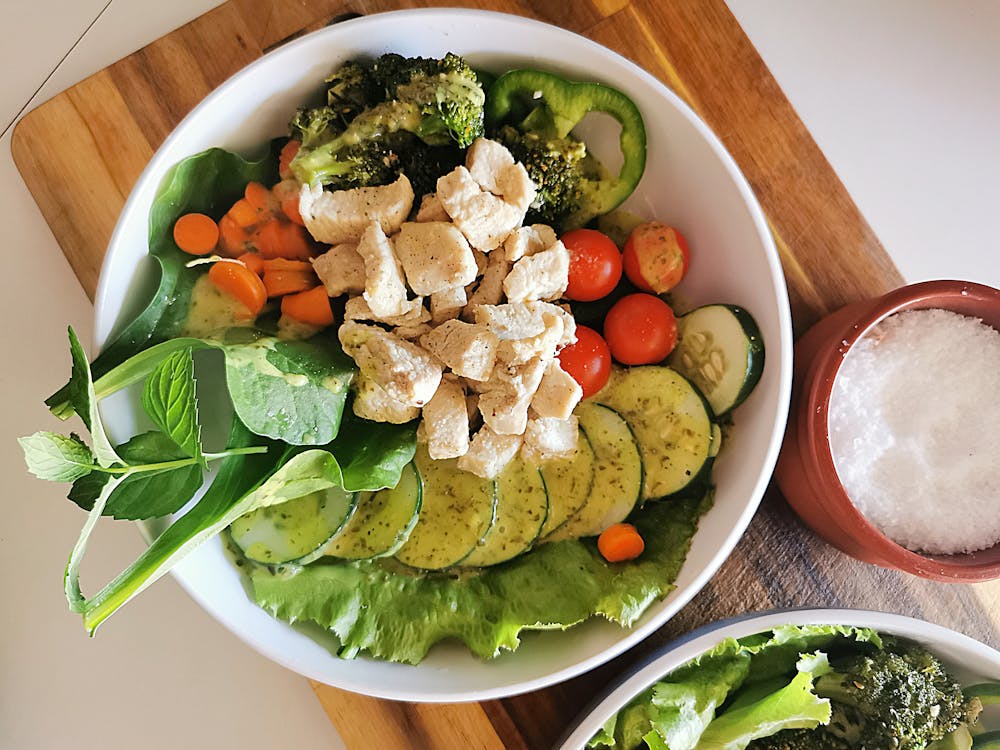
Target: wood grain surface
[(81, 152)]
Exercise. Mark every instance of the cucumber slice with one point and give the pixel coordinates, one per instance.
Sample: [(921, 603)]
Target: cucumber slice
[(671, 423), (568, 484), (720, 350), (617, 474), (986, 741), (987, 692), (522, 506), (382, 521), (296, 531), (457, 510)]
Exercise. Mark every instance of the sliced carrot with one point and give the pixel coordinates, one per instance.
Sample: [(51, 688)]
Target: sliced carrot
[(296, 242), (244, 214), (267, 239), (196, 234), (312, 306), (288, 152), (620, 542), (240, 282), (233, 237), (290, 208), (284, 264), (259, 197), (253, 261), (279, 283)]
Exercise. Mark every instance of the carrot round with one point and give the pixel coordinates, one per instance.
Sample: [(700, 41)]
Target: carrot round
[(278, 283), (232, 237), (240, 282), (290, 208), (284, 264), (253, 261), (196, 234), (259, 197), (288, 152), (244, 214), (620, 542), (312, 306)]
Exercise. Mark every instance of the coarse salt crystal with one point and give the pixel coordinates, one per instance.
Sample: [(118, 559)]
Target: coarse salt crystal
[(915, 430)]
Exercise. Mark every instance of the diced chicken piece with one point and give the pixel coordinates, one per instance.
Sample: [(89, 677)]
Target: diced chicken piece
[(466, 349), (516, 187), (385, 291), (341, 269), (372, 402), (528, 241), (558, 393), (446, 421), (569, 324), (548, 439), (489, 453), (485, 219), (435, 256), (344, 215), (431, 209), (544, 344), (472, 406), (542, 276), (357, 308), (490, 289), (447, 305), (481, 260), (412, 331), (485, 159), (511, 321), (504, 403), (405, 371)]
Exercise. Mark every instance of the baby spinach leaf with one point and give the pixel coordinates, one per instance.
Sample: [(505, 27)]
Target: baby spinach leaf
[(289, 390), (146, 494), (168, 397), (372, 454), (55, 457), (84, 401)]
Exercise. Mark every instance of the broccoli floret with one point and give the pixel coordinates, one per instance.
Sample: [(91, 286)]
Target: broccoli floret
[(800, 739), (350, 90), (447, 93), (557, 166), (314, 127), (423, 164)]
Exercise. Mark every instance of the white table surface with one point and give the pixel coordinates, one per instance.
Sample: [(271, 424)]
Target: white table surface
[(901, 95)]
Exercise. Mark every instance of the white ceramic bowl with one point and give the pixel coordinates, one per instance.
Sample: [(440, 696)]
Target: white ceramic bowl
[(690, 181), (968, 660)]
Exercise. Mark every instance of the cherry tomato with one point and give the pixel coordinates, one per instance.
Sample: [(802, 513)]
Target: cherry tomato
[(640, 329), (595, 264), (588, 361), (656, 257)]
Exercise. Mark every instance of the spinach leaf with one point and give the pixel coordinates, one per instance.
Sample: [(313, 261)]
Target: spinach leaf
[(55, 457), (84, 401), (293, 391), (372, 454), (168, 397), (147, 494)]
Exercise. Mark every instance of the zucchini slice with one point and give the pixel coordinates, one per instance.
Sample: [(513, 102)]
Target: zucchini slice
[(296, 531), (522, 506), (382, 521), (617, 474), (456, 512), (720, 350), (568, 484), (670, 420)]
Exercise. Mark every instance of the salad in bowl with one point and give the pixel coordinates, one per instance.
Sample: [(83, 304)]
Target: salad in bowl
[(411, 372)]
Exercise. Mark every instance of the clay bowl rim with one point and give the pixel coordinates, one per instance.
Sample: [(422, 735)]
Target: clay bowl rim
[(962, 567)]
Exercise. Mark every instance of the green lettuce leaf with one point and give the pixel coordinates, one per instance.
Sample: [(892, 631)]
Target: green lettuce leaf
[(393, 614)]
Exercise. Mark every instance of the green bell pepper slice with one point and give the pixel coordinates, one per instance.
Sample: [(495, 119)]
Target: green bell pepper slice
[(563, 105)]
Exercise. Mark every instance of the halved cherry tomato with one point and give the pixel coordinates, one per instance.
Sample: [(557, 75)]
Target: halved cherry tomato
[(595, 264), (588, 361), (640, 329), (656, 257)]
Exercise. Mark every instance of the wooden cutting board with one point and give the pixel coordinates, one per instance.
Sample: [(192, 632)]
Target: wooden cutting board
[(81, 152)]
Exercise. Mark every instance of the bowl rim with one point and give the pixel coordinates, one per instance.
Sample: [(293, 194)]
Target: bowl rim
[(826, 483), (689, 645), (105, 323)]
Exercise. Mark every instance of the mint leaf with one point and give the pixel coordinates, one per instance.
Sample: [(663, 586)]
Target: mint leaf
[(146, 494), (55, 457), (84, 401), (168, 397)]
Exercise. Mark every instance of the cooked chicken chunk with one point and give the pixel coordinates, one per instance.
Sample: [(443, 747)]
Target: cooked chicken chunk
[(548, 439), (412, 331), (485, 219), (511, 321), (490, 289), (528, 241), (544, 344), (466, 349), (435, 256), (489, 453), (542, 276), (341, 269), (406, 372), (558, 393), (431, 209), (486, 160), (344, 215), (372, 402), (504, 403), (357, 308), (385, 291), (447, 305), (446, 421)]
